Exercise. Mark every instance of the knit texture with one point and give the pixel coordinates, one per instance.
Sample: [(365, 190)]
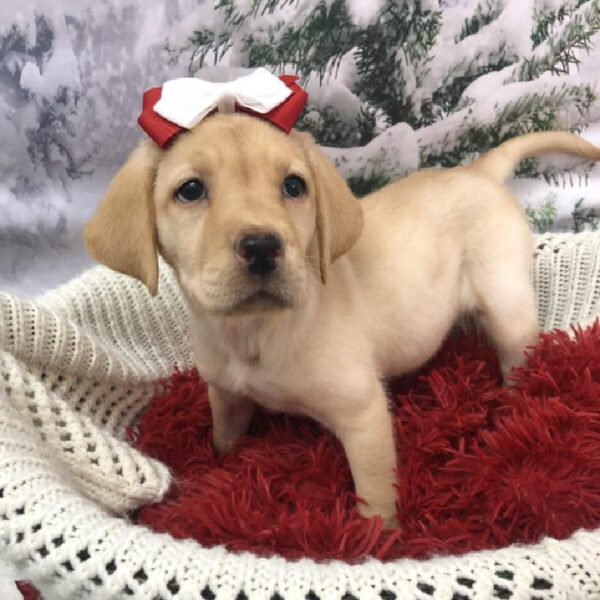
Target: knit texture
[(79, 365)]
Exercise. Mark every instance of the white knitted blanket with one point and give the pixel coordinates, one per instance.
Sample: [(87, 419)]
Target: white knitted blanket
[(79, 364)]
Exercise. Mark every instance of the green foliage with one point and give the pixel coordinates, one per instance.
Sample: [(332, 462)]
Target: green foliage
[(365, 184), (485, 12), (366, 122), (564, 178), (261, 52), (530, 112), (318, 44), (390, 52), (575, 35), (315, 44), (584, 217), (547, 20), (207, 41), (446, 98), (328, 129), (543, 218)]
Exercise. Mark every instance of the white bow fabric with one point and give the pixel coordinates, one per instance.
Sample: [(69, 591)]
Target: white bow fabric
[(187, 100)]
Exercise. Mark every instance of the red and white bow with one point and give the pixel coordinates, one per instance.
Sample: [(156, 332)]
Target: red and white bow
[(182, 103)]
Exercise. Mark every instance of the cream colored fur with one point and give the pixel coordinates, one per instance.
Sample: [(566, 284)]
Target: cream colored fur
[(410, 259)]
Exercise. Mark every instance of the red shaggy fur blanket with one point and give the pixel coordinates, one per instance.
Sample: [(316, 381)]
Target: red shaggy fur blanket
[(482, 466)]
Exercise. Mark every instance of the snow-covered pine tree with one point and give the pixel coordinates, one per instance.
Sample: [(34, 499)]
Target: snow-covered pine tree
[(399, 84), (71, 78)]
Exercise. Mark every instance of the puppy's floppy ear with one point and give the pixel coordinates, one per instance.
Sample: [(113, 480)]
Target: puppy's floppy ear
[(122, 232), (339, 214)]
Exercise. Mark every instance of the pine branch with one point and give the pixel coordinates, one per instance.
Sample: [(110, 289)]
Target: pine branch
[(558, 52), (543, 218), (449, 94), (263, 7), (545, 21), (361, 185), (206, 41), (453, 70), (391, 58), (236, 29), (530, 112), (319, 43), (328, 129), (584, 218), (262, 52), (314, 42), (534, 168), (485, 12)]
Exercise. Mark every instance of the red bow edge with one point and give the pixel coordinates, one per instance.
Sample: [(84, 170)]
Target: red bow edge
[(163, 132)]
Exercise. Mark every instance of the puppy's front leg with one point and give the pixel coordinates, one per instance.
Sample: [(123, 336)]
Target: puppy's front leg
[(231, 416), (368, 439)]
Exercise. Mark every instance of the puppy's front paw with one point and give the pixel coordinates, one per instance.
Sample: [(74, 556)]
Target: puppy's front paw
[(223, 446), (390, 519), (391, 523)]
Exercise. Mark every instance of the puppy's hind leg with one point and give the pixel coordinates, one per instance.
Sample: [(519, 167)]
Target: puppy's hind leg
[(512, 328), (506, 302)]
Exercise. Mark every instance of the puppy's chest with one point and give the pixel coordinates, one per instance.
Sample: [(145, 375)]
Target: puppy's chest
[(246, 365), (255, 381)]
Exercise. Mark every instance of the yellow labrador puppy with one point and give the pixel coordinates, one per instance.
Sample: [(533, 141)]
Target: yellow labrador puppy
[(302, 298)]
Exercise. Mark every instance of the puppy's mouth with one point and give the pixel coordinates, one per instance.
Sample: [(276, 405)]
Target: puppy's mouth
[(229, 294), (258, 302)]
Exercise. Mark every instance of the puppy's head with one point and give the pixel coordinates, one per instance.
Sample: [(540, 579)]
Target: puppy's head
[(244, 213)]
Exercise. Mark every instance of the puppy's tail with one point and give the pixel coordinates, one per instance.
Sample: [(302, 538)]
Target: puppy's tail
[(500, 162)]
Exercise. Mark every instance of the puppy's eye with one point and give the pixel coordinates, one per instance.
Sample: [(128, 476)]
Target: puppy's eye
[(191, 191), (294, 187)]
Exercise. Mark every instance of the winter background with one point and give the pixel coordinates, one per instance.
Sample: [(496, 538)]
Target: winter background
[(394, 85)]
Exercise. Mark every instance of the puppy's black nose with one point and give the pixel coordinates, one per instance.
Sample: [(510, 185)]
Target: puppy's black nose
[(260, 251)]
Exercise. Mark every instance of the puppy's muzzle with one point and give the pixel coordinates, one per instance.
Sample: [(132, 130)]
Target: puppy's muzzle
[(260, 252)]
